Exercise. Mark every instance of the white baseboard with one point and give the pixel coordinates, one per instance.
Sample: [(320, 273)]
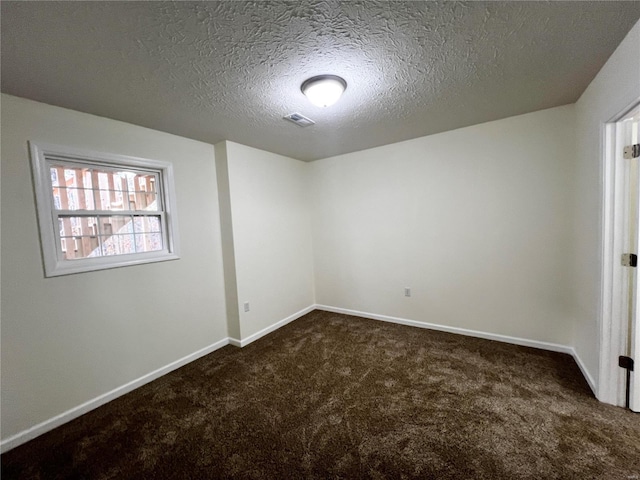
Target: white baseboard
[(43, 427), (265, 331), (554, 347), (585, 373)]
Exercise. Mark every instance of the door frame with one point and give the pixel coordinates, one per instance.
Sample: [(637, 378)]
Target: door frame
[(615, 279)]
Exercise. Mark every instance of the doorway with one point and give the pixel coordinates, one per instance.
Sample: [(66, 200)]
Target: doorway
[(629, 132), (620, 328)]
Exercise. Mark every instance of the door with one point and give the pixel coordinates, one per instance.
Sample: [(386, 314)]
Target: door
[(629, 135)]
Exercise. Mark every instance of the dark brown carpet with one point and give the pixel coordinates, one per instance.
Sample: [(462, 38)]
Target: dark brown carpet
[(332, 396)]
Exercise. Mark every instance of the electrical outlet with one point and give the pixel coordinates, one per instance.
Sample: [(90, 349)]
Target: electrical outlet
[(246, 306), (407, 292)]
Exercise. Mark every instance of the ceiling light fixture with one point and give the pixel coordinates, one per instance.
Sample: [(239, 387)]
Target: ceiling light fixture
[(323, 90)]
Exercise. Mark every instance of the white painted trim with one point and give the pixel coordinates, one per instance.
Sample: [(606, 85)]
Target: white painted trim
[(614, 282), (585, 373), (43, 427), (614, 287), (54, 265), (553, 347), (265, 331)]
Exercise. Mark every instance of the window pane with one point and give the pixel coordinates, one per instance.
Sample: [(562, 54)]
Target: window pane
[(120, 244), (145, 183), (111, 200), (73, 198), (146, 224), (148, 242), (79, 247), (72, 188), (108, 180), (77, 188), (77, 177), (57, 199), (78, 226), (113, 189), (115, 225), (116, 180), (143, 201), (54, 176)]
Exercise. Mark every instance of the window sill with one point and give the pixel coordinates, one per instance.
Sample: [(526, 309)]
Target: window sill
[(90, 265)]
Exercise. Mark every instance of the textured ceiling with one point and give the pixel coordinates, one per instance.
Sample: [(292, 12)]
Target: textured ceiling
[(231, 70)]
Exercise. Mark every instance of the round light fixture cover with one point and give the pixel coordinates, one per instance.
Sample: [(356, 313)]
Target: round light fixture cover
[(323, 90)]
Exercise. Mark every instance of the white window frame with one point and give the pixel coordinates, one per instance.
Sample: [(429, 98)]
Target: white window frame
[(44, 154)]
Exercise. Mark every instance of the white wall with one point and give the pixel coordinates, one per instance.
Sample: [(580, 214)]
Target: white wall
[(477, 222), (615, 87), (66, 340), (271, 235)]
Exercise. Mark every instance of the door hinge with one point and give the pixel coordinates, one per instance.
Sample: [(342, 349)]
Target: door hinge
[(625, 362), (631, 151), (629, 260)]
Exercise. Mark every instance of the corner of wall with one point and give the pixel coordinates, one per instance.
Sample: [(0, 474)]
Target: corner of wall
[(228, 250)]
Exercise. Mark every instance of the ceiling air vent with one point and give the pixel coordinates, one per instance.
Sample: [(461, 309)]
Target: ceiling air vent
[(299, 119)]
